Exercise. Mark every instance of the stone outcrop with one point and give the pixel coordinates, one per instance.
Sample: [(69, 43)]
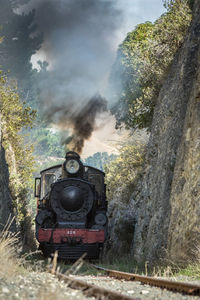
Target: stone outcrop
[(167, 206), (5, 196)]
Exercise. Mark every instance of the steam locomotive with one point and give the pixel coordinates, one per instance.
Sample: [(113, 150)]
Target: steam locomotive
[(71, 209)]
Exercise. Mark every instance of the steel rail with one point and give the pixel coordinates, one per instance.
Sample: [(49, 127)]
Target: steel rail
[(181, 287), (92, 290)]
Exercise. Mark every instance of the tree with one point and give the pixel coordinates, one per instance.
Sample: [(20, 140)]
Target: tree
[(46, 142), (143, 62), (125, 74), (99, 160), (19, 43)]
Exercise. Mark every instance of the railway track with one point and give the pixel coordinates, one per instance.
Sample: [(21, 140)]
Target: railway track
[(92, 290), (181, 287), (86, 288), (101, 293)]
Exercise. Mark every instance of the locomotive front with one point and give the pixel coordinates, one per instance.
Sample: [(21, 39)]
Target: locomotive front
[(72, 207)]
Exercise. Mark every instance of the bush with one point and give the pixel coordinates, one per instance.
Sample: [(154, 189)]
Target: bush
[(99, 160), (15, 116), (122, 172), (46, 142), (122, 175), (143, 63)]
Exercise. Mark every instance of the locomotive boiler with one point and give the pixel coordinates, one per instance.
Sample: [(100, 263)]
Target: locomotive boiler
[(71, 209)]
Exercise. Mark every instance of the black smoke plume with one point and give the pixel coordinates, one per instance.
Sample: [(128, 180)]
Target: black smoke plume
[(81, 122), (79, 38)]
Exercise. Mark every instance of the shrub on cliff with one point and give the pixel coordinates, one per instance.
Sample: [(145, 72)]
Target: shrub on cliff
[(122, 172), (122, 175), (15, 116), (143, 62)]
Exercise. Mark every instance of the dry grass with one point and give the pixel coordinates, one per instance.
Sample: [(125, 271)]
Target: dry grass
[(7, 252), (192, 269)]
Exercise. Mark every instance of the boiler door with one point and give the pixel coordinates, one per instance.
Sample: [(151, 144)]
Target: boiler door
[(71, 198)]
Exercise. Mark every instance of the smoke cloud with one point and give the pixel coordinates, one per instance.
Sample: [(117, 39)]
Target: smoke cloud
[(80, 39), (82, 122)]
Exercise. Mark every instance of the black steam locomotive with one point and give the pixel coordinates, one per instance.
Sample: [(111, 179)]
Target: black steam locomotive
[(71, 209)]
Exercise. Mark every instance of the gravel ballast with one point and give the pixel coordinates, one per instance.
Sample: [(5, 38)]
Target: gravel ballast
[(37, 285), (44, 286)]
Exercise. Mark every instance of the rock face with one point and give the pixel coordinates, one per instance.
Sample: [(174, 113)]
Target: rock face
[(5, 197), (167, 206)]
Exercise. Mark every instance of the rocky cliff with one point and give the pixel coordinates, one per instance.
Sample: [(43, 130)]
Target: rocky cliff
[(167, 205), (5, 196)]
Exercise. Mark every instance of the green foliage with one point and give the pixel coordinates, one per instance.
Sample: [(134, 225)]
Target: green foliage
[(122, 176), (124, 263), (143, 62), (99, 160), (191, 270), (46, 142), (168, 4), (122, 173), (15, 116)]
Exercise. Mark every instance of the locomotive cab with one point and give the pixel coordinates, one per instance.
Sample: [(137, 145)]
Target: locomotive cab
[(71, 208)]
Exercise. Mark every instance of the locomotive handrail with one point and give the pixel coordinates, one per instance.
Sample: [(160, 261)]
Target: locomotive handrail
[(53, 167)]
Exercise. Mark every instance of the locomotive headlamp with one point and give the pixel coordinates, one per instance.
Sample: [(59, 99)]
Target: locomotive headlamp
[(100, 219), (72, 166)]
